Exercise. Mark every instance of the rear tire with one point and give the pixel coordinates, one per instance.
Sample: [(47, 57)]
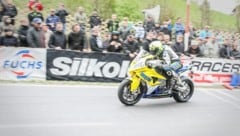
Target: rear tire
[(184, 95), (126, 96)]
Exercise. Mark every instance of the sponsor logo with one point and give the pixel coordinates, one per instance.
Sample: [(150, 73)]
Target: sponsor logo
[(64, 66), (22, 64), (222, 67)]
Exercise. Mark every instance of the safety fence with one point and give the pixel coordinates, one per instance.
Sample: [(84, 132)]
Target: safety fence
[(50, 64)]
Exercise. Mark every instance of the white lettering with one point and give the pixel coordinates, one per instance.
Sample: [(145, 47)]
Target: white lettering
[(61, 66)]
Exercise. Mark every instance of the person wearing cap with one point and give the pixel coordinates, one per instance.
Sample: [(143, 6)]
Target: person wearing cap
[(9, 39), (35, 14), (194, 50), (52, 20), (22, 33), (115, 44), (35, 35)]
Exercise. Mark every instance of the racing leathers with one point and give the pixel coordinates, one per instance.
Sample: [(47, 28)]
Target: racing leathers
[(172, 62)]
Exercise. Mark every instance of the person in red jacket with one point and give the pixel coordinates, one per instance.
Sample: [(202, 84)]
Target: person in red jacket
[(36, 3)]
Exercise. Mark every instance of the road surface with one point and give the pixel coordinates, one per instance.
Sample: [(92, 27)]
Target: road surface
[(53, 110)]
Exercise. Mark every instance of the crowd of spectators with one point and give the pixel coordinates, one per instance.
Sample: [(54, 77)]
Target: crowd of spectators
[(112, 35)]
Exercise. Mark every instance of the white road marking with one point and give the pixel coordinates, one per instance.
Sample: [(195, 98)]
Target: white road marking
[(87, 124), (59, 85), (222, 99), (228, 95)]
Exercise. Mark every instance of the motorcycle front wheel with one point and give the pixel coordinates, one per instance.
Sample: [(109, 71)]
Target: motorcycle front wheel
[(126, 96)]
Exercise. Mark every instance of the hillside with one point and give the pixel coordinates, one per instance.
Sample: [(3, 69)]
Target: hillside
[(132, 9)]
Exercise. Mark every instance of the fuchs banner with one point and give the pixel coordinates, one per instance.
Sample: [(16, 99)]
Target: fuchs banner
[(22, 64), (93, 67), (207, 70)]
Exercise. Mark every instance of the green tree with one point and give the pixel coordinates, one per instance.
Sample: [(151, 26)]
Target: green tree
[(205, 13)]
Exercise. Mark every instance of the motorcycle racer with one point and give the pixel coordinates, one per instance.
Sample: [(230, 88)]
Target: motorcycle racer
[(164, 52)]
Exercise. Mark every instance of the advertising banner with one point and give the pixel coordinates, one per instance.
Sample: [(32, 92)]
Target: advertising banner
[(207, 70), (92, 67), (22, 64)]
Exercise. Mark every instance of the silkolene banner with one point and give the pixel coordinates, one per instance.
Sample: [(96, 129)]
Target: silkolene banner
[(92, 67), (22, 64), (207, 70)]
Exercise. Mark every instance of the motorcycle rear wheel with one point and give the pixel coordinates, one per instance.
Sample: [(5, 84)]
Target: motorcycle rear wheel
[(126, 96)]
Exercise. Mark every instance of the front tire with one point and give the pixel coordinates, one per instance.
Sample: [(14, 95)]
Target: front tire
[(185, 94), (126, 96)]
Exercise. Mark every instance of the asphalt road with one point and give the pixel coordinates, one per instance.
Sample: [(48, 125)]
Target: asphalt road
[(42, 110)]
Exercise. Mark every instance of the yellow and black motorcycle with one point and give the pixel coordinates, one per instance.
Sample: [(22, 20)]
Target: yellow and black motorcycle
[(144, 82)]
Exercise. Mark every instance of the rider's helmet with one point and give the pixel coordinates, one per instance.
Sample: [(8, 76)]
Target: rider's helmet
[(156, 48)]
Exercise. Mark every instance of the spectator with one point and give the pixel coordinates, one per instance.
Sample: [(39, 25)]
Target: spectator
[(35, 3), (165, 29), (160, 37), (52, 20), (170, 26), (131, 46), (2, 10), (77, 39), (179, 27), (62, 13), (58, 39), (225, 51), (235, 53), (205, 33), (106, 40), (156, 28), (35, 14), (115, 44), (81, 17), (7, 23), (212, 48), (166, 40), (113, 24), (11, 11), (22, 33), (96, 42), (95, 19), (9, 39), (47, 33), (148, 40), (139, 31), (178, 47), (124, 31), (194, 50), (35, 36), (149, 23)]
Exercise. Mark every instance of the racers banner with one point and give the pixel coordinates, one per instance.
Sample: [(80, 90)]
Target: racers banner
[(22, 64), (206, 70), (92, 67)]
